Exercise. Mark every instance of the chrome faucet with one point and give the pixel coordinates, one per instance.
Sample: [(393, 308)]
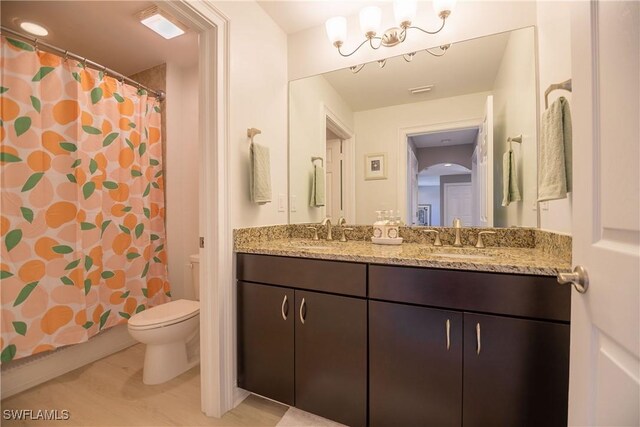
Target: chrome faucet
[(457, 224), (327, 222)]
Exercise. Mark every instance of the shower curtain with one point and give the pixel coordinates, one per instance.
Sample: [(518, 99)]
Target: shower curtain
[(82, 201)]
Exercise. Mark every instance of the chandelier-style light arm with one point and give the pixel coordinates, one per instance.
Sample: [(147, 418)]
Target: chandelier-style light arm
[(339, 45), (444, 20)]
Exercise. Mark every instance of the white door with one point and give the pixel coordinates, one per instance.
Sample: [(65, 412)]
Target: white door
[(457, 203), (604, 386), (485, 166), (333, 171)]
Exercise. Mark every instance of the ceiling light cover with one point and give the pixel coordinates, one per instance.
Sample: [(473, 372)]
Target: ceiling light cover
[(336, 29), (447, 165), (404, 11), (161, 23), (370, 20), (33, 28)]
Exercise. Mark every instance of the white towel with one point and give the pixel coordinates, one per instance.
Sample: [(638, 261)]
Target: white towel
[(317, 187), (554, 165), (510, 189), (260, 174)]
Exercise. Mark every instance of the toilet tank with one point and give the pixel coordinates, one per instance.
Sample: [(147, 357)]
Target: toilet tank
[(195, 274)]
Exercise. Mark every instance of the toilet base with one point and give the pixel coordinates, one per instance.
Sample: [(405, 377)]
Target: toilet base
[(163, 362)]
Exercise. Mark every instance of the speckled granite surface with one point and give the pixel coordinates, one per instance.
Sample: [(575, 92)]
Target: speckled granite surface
[(511, 250)]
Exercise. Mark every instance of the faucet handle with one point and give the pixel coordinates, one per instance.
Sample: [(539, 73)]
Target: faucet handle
[(457, 223), (344, 233), (437, 241), (480, 243), (315, 232)]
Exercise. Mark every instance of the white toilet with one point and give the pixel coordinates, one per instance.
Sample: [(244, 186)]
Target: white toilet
[(168, 330)]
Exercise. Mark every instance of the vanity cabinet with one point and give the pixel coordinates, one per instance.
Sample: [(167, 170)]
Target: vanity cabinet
[(383, 345), (415, 366), (299, 341)]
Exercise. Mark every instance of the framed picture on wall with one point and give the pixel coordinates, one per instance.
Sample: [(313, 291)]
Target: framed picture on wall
[(424, 214), (375, 166)]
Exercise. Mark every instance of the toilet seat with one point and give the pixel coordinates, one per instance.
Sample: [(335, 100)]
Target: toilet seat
[(165, 315)]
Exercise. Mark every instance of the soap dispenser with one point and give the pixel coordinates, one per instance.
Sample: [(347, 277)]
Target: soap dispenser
[(393, 226), (379, 227)]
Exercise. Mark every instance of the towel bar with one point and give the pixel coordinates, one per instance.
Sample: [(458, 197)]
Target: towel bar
[(565, 85), (313, 159)]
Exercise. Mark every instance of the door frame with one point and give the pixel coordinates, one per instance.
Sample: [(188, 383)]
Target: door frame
[(403, 141), (216, 314), (337, 126)]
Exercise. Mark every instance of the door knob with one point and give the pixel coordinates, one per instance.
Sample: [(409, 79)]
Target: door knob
[(579, 279)]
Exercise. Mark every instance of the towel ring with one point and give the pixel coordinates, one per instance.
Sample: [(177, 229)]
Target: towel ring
[(313, 159)]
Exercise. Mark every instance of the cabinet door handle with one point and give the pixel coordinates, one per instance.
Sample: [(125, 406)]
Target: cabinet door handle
[(285, 308), (448, 327), (302, 314), (479, 344)]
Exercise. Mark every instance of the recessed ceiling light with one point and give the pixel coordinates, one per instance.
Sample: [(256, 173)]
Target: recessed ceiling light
[(33, 28), (160, 22), (446, 165)]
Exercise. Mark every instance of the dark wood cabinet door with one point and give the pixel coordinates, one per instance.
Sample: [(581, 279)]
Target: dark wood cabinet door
[(516, 372), (265, 341), (331, 356), (415, 372)]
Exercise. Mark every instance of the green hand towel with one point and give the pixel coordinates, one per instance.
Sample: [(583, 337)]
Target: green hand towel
[(510, 190), (554, 166), (260, 174), (317, 187)]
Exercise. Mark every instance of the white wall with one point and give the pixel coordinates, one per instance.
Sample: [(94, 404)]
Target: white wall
[(181, 176), (258, 98), (378, 131), (308, 99), (310, 52), (554, 59), (515, 113)]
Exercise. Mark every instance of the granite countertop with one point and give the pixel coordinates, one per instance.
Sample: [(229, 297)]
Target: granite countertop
[(519, 260)]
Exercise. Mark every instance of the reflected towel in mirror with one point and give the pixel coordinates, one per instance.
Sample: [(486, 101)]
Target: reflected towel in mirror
[(510, 189), (554, 167), (317, 187), (260, 174)]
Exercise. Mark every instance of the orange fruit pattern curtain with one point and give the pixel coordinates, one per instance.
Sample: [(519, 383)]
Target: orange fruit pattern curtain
[(82, 224)]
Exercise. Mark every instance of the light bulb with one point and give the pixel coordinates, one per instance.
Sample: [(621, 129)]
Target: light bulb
[(444, 7), (404, 12), (370, 20), (337, 30)]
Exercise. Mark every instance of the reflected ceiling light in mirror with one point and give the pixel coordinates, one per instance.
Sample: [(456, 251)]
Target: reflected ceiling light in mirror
[(371, 18), (447, 165)]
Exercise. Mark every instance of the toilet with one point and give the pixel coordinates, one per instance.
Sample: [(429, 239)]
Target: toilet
[(169, 331)]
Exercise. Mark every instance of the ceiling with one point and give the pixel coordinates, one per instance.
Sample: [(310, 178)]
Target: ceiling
[(105, 32), (297, 15), (432, 174), (375, 87), (443, 139)]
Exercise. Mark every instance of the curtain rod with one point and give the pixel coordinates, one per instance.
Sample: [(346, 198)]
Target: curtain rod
[(37, 43)]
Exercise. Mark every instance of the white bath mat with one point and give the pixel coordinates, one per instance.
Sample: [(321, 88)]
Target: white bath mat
[(296, 418)]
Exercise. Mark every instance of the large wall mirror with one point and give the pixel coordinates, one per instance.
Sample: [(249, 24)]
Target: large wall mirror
[(434, 137)]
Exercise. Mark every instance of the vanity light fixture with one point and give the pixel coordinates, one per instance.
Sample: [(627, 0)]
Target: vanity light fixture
[(371, 19), (161, 22)]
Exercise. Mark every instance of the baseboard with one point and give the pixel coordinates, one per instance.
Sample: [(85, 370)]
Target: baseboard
[(31, 373), (239, 395)]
